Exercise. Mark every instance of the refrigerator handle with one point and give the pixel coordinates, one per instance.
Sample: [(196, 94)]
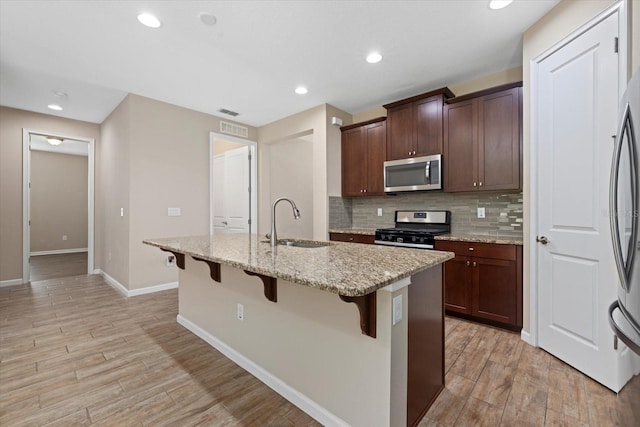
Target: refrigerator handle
[(613, 203), (635, 196), (619, 332), (623, 266)]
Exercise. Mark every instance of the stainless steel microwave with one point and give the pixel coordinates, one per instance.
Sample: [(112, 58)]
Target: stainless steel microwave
[(413, 174)]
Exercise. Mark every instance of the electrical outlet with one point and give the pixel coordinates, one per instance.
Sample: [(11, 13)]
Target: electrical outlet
[(173, 212), (379, 211), (240, 313), (171, 261), (481, 213), (64, 237), (397, 309)]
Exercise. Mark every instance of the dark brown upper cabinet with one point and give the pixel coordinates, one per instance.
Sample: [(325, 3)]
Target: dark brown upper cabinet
[(414, 125), (363, 155), (483, 140)]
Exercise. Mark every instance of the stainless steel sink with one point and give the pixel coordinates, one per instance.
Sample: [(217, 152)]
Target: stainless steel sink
[(299, 244)]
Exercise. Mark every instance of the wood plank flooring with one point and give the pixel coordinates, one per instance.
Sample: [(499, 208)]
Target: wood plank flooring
[(493, 378), (43, 267), (73, 351)]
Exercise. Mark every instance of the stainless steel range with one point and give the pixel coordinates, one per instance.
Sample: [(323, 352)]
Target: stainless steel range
[(415, 229)]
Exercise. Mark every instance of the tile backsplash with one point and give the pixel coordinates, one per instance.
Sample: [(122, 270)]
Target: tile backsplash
[(503, 211)]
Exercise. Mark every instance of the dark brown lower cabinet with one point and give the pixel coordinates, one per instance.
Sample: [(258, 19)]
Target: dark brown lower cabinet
[(484, 282), (352, 238), (425, 351)]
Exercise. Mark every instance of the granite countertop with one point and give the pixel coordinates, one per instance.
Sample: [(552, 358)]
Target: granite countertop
[(461, 237), (340, 268)]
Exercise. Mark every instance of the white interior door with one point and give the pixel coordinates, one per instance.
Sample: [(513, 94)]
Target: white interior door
[(237, 189), (577, 99), (219, 194), (231, 191)]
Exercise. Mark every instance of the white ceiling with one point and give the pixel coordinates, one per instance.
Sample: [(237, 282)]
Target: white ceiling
[(254, 57)]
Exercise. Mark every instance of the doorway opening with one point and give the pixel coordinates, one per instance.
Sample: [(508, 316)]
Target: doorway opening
[(233, 193), (58, 205)]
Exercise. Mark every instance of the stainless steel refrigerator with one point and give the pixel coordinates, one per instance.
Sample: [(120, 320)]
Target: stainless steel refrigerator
[(624, 207)]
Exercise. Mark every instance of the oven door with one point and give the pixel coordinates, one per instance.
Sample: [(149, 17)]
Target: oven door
[(414, 174)]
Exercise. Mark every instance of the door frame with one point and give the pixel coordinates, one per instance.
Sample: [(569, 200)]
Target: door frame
[(26, 202), (253, 150), (621, 8)]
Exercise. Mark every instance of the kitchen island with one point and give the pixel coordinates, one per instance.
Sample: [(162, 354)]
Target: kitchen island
[(353, 334)]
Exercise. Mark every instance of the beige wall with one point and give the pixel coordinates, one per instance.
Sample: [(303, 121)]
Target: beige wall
[(291, 175), (461, 88), (12, 121), (306, 328), (154, 156), (59, 195), (326, 140), (112, 194), (563, 19)]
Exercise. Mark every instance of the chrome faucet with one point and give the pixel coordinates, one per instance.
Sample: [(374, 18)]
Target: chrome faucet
[(273, 238)]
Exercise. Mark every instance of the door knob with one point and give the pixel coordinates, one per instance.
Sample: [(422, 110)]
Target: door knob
[(542, 239)]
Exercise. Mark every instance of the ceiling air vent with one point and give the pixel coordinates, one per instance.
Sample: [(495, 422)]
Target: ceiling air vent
[(236, 130), (229, 112)]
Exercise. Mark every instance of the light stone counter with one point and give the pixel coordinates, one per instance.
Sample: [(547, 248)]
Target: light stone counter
[(478, 238), (475, 238), (341, 268)]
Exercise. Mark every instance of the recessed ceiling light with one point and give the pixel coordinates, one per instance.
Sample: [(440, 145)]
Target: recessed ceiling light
[(208, 18), (55, 107), (60, 94), (301, 90), (499, 4), (149, 20), (374, 58)]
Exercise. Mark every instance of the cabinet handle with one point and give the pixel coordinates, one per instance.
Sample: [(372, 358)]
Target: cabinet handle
[(364, 190), (351, 239), (409, 153), (471, 249), (474, 184), (468, 263), (414, 153), (475, 264), (480, 183)]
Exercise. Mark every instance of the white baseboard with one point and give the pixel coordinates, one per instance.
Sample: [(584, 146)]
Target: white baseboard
[(135, 292), (526, 337), (303, 402), (152, 289), (59, 251), (12, 282)]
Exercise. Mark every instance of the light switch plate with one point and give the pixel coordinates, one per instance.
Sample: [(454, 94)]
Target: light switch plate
[(397, 309), (480, 212), (173, 212), (379, 211)]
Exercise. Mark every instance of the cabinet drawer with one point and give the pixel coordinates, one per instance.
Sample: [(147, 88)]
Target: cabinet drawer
[(480, 250), (352, 238)]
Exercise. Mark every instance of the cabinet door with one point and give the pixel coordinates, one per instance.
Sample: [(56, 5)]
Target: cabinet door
[(494, 290), (400, 132), (499, 141), (353, 162), (375, 147), (428, 126), (460, 146), (352, 238), (457, 284)]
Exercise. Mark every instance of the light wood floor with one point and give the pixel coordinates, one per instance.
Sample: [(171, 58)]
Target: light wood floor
[(493, 378), (44, 267), (73, 351)]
